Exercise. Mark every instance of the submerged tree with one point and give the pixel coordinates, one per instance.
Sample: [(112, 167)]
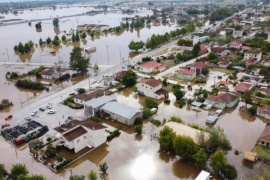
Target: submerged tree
[(77, 61), (103, 167)]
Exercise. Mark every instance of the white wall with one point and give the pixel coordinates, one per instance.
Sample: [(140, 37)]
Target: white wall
[(148, 90)]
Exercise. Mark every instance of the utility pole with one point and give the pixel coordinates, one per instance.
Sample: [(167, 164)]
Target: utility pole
[(59, 64), (7, 54)]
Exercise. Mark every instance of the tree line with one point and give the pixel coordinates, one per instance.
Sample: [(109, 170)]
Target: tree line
[(26, 48), (221, 13)]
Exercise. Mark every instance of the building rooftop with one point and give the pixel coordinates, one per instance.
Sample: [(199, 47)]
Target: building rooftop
[(185, 72), (265, 136), (152, 64), (242, 87), (181, 129), (75, 133), (96, 102), (151, 82), (120, 109), (89, 95), (223, 98)]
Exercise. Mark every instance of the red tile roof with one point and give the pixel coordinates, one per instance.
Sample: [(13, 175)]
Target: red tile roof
[(223, 98), (237, 43), (203, 50), (265, 136), (253, 52), (245, 47), (242, 87), (265, 90), (162, 91), (153, 64), (186, 72), (199, 65), (75, 133), (151, 82), (224, 83), (121, 73)]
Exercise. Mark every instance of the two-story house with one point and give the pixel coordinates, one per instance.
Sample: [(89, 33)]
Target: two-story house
[(152, 88), (253, 56)]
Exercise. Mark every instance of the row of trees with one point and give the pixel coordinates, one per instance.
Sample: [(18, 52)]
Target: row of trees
[(187, 149), (30, 85), (136, 45), (221, 13), (5, 103), (26, 48)]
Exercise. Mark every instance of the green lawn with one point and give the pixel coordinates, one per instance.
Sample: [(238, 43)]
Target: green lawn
[(224, 70), (262, 151)]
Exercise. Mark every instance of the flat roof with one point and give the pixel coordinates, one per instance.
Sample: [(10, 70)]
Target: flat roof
[(203, 175), (96, 102), (181, 129), (211, 119), (121, 109)]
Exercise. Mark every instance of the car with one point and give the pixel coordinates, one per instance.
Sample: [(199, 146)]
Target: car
[(61, 143), (27, 118), (8, 117), (51, 112), (72, 94), (5, 125), (41, 159), (42, 109), (70, 117), (34, 113)]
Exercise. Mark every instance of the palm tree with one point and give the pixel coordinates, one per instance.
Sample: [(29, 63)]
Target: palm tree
[(103, 167), (92, 175), (17, 170)]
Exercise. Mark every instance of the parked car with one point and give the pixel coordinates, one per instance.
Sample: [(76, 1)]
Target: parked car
[(61, 143), (72, 94), (42, 109), (49, 106), (51, 112), (34, 113), (41, 159), (8, 117), (27, 118), (70, 117), (5, 125)]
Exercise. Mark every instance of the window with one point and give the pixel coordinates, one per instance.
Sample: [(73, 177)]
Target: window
[(262, 142), (78, 141), (84, 137)]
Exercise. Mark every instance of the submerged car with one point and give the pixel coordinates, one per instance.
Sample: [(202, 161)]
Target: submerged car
[(8, 117), (51, 112)]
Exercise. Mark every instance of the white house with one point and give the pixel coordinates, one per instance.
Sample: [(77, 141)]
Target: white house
[(253, 55), (120, 112), (82, 98), (152, 66), (197, 39), (264, 111), (80, 134), (152, 88)]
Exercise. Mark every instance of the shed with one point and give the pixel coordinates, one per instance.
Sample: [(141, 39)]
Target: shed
[(196, 104), (250, 156), (203, 176), (211, 119)]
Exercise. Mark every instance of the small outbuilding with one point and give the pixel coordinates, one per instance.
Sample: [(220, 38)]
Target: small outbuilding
[(250, 156)]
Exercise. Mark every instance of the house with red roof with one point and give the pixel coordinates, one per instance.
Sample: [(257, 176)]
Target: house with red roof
[(223, 83), (264, 90), (152, 88), (203, 50), (152, 66), (186, 74), (236, 44), (243, 87), (220, 51), (80, 134), (264, 138), (197, 68), (222, 100), (224, 61)]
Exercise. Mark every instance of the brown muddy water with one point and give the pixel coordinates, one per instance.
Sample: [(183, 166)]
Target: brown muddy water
[(113, 45), (139, 157)]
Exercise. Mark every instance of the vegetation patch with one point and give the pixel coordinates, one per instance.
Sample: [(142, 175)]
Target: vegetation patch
[(262, 151), (156, 122)]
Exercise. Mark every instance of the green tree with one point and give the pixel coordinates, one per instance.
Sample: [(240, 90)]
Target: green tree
[(196, 49), (96, 68), (166, 137), (218, 139), (83, 35), (179, 94), (56, 22), (18, 169), (48, 40), (64, 38), (103, 167), (129, 79), (185, 147), (146, 112), (138, 129), (217, 161), (92, 175), (40, 41), (253, 110), (247, 97), (200, 158), (78, 177), (179, 57), (3, 171), (212, 55), (81, 90), (77, 61), (205, 70), (229, 171), (150, 103)]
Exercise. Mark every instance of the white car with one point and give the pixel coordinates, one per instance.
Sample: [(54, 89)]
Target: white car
[(49, 106), (34, 113), (27, 118), (51, 112)]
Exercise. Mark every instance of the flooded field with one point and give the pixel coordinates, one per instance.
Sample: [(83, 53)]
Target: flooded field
[(116, 44)]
